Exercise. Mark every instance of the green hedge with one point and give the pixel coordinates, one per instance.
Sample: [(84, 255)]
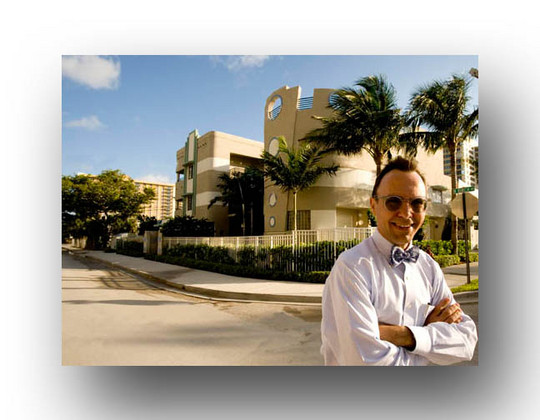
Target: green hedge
[(130, 248), (440, 248), (446, 260), (241, 270), (216, 254), (277, 261), (318, 257)]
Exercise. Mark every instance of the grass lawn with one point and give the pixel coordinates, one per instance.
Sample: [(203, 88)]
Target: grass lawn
[(466, 287)]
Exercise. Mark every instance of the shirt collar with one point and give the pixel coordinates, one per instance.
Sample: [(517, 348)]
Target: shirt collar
[(383, 244)]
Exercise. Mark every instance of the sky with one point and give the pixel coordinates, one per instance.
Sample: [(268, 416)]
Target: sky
[(133, 113)]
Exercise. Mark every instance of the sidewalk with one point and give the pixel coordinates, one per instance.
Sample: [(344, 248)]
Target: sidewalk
[(221, 286)]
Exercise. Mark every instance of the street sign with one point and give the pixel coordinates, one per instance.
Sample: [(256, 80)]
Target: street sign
[(463, 189), (471, 205)]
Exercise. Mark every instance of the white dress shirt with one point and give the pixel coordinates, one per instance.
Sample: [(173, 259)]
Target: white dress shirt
[(363, 289)]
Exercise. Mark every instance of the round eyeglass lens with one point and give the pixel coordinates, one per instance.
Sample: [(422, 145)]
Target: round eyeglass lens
[(393, 203)]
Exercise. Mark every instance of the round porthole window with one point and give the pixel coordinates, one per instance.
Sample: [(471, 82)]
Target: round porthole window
[(272, 200), (274, 107), (273, 147), (332, 99), (272, 221)]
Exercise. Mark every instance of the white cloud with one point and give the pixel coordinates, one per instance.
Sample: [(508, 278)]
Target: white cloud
[(239, 62), (91, 123), (92, 70), (163, 179)]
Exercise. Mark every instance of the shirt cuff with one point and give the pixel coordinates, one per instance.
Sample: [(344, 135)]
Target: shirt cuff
[(423, 340)]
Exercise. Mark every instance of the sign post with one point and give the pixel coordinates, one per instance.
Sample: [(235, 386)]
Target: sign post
[(460, 210), (466, 239)]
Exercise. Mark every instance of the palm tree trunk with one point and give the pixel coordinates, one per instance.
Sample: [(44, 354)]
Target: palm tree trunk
[(294, 195), (454, 180), (378, 162)]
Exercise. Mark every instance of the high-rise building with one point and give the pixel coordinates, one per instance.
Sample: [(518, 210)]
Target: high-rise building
[(466, 156), (162, 207)]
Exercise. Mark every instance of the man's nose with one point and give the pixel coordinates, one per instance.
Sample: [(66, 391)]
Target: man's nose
[(405, 209)]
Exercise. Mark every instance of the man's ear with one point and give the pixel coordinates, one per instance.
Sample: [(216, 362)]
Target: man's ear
[(372, 204)]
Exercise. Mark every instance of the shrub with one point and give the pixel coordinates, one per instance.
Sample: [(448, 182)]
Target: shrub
[(201, 252), (442, 247), (446, 260), (247, 256), (130, 248), (241, 270), (187, 226), (147, 223)]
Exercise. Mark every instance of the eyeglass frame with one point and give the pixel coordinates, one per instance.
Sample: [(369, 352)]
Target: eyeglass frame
[(403, 200)]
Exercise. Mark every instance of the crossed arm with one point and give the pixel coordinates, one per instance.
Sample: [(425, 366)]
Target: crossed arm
[(402, 336), (352, 334)]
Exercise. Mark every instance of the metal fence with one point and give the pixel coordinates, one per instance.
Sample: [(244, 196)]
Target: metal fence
[(303, 250)]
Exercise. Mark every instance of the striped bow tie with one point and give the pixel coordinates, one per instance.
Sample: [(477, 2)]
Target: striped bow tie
[(398, 255)]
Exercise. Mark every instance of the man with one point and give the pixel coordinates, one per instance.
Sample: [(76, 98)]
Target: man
[(386, 301)]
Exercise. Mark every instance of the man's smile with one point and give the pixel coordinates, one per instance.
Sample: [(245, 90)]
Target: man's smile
[(402, 225)]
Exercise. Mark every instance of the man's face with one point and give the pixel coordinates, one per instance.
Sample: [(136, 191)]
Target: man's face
[(400, 226)]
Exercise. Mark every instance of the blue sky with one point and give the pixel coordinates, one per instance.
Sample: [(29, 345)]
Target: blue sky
[(134, 112)]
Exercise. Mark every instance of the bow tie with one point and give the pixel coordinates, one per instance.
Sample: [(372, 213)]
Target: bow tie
[(398, 255)]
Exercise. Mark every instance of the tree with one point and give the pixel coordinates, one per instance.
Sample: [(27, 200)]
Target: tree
[(296, 170), (440, 118), (364, 118), (187, 226), (243, 194), (102, 205), (147, 223)]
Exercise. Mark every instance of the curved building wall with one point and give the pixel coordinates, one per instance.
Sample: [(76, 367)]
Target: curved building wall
[(333, 201), (341, 200)]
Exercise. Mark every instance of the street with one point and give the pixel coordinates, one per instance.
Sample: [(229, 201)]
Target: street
[(110, 317)]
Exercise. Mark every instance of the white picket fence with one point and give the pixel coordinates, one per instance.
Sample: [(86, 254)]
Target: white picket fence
[(303, 250), (300, 237)]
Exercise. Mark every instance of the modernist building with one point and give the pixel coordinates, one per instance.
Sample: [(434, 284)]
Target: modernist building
[(466, 155), (342, 200), (198, 167), (162, 207)]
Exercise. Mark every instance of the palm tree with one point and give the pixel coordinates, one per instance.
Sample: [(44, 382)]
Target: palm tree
[(439, 118), (240, 190), (366, 118), (296, 170)]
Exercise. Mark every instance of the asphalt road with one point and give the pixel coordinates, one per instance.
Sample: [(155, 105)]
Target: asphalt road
[(110, 317)]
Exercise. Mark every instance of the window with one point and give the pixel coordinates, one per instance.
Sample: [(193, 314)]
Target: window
[(189, 203), (190, 172), (303, 220)]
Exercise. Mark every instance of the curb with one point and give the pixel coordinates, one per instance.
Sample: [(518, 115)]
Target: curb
[(213, 293), (203, 292), (466, 297)]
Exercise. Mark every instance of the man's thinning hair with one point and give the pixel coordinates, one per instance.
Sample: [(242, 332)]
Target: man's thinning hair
[(401, 164)]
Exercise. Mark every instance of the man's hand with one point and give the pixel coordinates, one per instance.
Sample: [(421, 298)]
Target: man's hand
[(444, 312), (398, 335)]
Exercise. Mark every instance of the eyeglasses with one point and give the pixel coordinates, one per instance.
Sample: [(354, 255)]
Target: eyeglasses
[(394, 202)]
